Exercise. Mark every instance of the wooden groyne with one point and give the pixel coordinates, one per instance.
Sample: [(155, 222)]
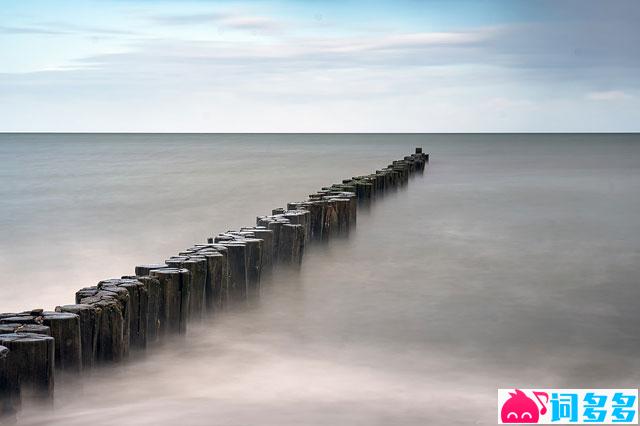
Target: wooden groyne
[(117, 317)]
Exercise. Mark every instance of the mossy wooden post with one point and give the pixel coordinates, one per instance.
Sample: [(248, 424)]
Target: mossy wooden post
[(198, 269), (65, 329), (9, 388), (31, 358), (175, 284), (88, 331)]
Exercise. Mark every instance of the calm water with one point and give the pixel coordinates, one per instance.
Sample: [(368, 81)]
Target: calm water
[(514, 261)]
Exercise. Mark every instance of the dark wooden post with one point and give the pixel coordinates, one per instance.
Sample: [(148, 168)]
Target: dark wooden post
[(65, 329), (198, 269), (316, 219), (31, 359), (9, 388), (237, 257), (8, 328), (121, 295), (213, 293), (291, 244), (145, 270), (110, 345), (88, 331), (152, 287), (175, 284), (266, 235)]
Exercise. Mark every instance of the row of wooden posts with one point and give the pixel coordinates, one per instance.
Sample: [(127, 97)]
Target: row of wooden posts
[(118, 316)]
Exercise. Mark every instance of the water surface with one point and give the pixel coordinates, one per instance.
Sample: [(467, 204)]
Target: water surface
[(512, 262)]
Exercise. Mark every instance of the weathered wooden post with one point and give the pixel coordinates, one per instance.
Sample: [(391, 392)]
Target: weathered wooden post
[(9, 388), (139, 306), (213, 293), (31, 359), (197, 266), (65, 329), (153, 290), (330, 226), (343, 215), (237, 257), (266, 235), (175, 284), (145, 270), (253, 258), (88, 331), (291, 247), (122, 296), (8, 328), (110, 346), (316, 219)]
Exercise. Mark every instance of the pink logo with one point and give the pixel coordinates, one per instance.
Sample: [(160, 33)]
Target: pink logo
[(519, 408)]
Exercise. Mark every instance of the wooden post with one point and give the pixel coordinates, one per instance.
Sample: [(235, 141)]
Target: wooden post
[(316, 219), (153, 290), (214, 293), (266, 236), (24, 328), (175, 284), (198, 269), (9, 388), (145, 270), (88, 331), (65, 329), (291, 244), (136, 308), (237, 257), (30, 359), (110, 322), (120, 294)]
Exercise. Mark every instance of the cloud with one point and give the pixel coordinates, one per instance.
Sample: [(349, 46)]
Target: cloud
[(29, 30), (609, 95), (222, 20), (62, 28), (190, 19)]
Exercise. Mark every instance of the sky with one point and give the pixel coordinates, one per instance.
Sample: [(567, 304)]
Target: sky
[(320, 66)]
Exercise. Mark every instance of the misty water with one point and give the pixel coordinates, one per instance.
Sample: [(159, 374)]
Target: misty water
[(514, 261)]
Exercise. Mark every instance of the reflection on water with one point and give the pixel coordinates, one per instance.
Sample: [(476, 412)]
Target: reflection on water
[(512, 262)]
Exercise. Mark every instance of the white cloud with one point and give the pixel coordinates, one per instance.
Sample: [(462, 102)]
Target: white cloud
[(609, 95)]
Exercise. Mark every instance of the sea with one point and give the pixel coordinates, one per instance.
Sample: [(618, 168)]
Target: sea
[(513, 262)]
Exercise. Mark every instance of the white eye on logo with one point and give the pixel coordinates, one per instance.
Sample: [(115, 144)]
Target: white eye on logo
[(512, 413), (525, 414)]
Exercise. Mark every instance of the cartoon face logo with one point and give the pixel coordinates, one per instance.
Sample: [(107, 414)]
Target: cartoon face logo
[(519, 408)]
